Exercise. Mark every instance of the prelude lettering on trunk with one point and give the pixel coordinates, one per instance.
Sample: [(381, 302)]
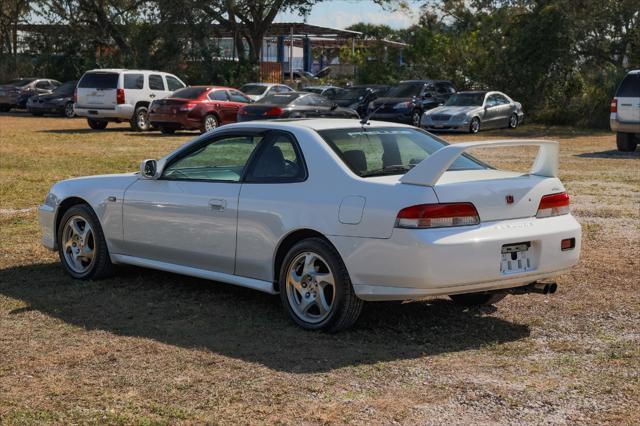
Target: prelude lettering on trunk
[(514, 225)]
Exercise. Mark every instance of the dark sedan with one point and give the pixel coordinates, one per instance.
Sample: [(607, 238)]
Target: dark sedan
[(406, 101), (294, 105), (15, 93), (58, 102), (359, 97)]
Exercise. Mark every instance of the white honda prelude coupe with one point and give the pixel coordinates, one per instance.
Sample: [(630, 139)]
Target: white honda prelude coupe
[(328, 213)]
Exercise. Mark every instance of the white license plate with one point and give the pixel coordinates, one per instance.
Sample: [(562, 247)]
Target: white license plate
[(515, 258)]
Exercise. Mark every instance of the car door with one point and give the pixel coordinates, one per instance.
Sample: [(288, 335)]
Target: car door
[(220, 101), (274, 183), (491, 112), (157, 88), (503, 111), (188, 216)]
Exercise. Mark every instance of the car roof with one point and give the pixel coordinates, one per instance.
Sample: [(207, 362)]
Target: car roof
[(209, 87), (474, 92), (313, 124), (263, 84), (634, 72), (123, 70)]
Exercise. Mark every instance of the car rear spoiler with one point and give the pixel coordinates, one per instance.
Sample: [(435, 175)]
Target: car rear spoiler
[(429, 170)]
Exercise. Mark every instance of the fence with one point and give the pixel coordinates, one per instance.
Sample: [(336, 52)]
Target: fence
[(270, 72)]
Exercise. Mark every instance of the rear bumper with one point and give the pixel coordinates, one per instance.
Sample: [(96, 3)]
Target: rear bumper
[(624, 127), (419, 263), (176, 121), (119, 112)]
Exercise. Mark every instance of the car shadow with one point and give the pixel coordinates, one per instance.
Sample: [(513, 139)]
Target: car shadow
[(246, 324), (612, 153)]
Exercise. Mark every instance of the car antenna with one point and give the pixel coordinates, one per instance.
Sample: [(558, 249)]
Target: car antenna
[(365, 120)]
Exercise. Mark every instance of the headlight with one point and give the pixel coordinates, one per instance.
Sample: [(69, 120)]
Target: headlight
[(460, 117), (402, 105), (51, 200)]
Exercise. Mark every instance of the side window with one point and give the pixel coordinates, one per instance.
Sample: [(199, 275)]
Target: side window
[(279, 160), (444, 89), (218, 95), (44, 84), (156, 82), (173, 83), (491, 101), (630, 87), (133, 81), (319, 101), (501, 100), (235, 96), (284, 89), (222, 160)]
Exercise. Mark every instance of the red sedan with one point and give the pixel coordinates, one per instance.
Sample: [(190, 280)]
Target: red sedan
[(197, 108)]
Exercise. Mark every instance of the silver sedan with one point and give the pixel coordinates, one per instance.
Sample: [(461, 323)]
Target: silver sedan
[(472, 111)]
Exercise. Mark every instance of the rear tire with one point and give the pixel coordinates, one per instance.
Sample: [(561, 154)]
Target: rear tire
[(315, 288), (416, 115), (209, 123), (140, 120), (513, 121), (83, 255), (97, 124), (477, 299), (626, 142), (69, 111), (167, 130)]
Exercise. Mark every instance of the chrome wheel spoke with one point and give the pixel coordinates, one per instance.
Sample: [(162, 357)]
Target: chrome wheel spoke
[(295, 280), (325, 279), (310, 287), (321, 302)]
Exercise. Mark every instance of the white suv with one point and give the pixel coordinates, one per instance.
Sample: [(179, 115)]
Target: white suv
[(625, 112), (121, 95)]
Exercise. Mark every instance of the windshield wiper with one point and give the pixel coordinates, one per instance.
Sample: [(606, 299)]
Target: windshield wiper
[(388, 170)]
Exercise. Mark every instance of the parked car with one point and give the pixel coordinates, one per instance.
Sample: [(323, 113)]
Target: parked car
[(625, 112), (359, 97), (326, 212), (119, 95), (58, 102), (197, 108), (257, 91), (406, 102), (328, 92), (472, 111), (293, 105), (15, 93)]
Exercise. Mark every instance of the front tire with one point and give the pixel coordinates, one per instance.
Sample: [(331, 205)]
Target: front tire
[(315, 288), (97, 124), (416, 115), (474, 126), (140, 120), (626, 142), (81, 244), (477, 299)]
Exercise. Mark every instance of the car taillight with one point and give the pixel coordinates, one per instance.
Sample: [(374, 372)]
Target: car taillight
[(75, 96), (187, 107), (275, 111), (438, 215), (119, 96), (553, 205), (614, 105)]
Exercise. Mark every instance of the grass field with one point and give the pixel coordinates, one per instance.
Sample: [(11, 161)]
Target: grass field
[(148, 347)]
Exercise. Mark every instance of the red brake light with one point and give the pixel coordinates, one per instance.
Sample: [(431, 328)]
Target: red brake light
[(553, 205), (438, 215), (188, 106), (614, 105), (275, 111), (119, 96)]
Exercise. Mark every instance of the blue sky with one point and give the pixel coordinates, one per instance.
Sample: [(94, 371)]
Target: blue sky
[(342, 13)]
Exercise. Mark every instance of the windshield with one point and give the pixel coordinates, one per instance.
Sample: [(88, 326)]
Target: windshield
[(354, 93), (405, 90), (389, 151), (19, 82), (466, 99), (317, 90), (253, 89), (279, 99), (99, 80), (66, 88), (189, 93)]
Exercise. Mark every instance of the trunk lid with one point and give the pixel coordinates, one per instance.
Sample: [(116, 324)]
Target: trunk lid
[(496, 194), (98, 90)]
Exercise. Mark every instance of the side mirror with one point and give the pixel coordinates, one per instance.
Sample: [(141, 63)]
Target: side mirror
[(149, 169)]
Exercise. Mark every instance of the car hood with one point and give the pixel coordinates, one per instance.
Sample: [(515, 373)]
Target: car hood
[(454, 110)]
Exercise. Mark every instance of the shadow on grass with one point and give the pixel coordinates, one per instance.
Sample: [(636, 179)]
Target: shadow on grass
[(153, 133), (533, 131), (612, 153), (246, 324)]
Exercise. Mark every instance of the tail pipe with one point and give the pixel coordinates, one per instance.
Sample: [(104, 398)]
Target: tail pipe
[(536, 287)]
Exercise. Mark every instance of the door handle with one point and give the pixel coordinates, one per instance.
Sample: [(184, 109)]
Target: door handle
[(217, 205)]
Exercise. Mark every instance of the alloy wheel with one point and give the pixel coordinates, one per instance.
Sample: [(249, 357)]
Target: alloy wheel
[(210, 123), (143, 120), (69, 111), (475, 125), (415, 118), (310, 287), (79, 246), (513, 121)]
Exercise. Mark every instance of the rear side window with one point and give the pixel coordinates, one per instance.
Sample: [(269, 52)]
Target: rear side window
[(630, 87), (155, 82), (99, 80), (189, 93), (218, 95), (44, 84), (279, 160), (173, 83), (133, 81)]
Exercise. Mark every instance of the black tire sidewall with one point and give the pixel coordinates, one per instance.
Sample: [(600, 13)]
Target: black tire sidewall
[(474, 119), (516, 121), (96, 124), (339, 273), (413, 114), (102, 261), (626, 142)]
